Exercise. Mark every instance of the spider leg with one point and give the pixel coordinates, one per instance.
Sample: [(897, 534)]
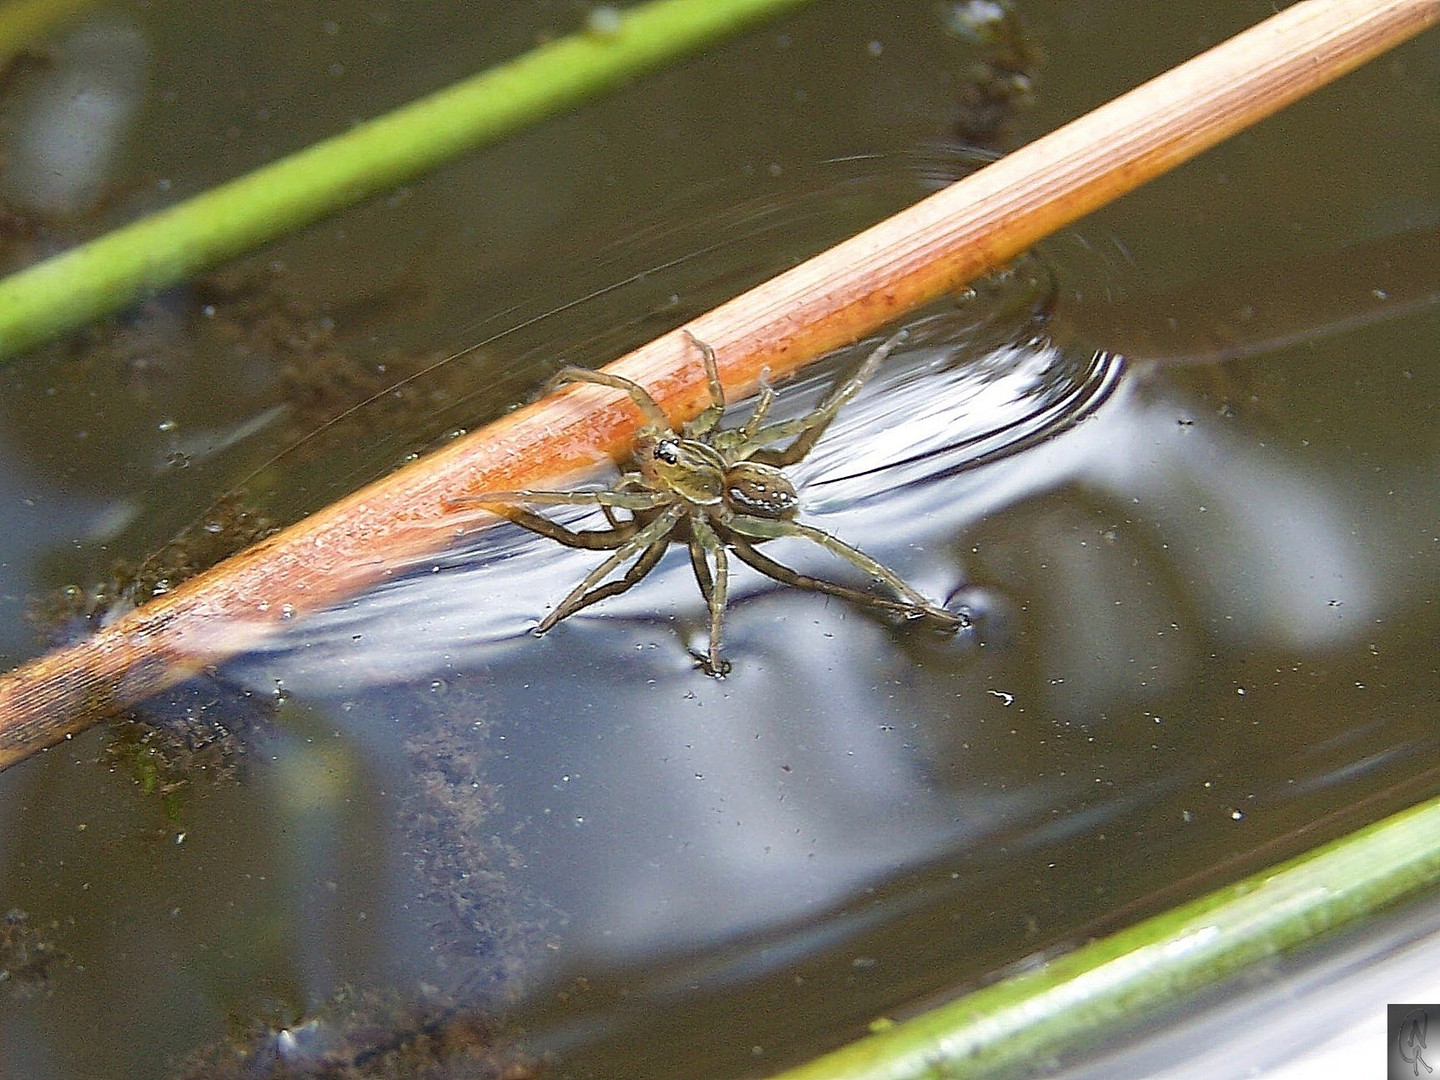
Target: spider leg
[(710, 416), (773, 528), (701, 566), (753, 557), (615, 523), (503, 504), (734, 440), (654, 415), (592, 539), (716, 592), (653, 533), (638, 569), (807, 429), (759, 413), (628, 483), (625, 500)]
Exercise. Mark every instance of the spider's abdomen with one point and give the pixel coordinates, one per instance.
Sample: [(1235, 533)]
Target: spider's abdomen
[(759, 490)]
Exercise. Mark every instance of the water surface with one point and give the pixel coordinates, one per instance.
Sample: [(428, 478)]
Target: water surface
[(1202, 592)]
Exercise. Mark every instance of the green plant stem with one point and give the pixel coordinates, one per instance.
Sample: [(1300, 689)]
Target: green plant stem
[(106, 274), (1123, 978)]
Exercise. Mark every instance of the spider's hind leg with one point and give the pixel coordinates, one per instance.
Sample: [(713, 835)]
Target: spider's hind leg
[(910, 603), (749, 554)]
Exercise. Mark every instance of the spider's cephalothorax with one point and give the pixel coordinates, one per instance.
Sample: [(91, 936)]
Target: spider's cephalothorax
[(718, 491)]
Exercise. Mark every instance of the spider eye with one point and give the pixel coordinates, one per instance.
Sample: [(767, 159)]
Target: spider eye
[(667, 451)]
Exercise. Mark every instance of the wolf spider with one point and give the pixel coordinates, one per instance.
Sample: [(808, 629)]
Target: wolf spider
[(716, 490)]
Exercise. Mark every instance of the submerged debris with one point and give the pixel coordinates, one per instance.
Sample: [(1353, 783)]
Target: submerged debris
[(1003, 81), (200, 734), (228, 527), (26, 955), (481, 936), (313, 384), (369, 1036)]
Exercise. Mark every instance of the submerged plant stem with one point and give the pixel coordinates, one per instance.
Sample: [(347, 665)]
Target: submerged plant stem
[(851, 290), (102, 276)]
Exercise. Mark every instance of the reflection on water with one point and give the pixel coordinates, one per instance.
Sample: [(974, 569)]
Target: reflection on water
[(74, 121)]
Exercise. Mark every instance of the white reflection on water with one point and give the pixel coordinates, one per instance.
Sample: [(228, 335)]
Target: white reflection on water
[(72, 125), (704, 808), (663, 809)]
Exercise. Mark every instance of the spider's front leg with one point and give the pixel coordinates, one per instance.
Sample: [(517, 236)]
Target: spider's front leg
[(647, 561), (705, 422), (654, 415), (651, 541), (505, 503), (806, 430)]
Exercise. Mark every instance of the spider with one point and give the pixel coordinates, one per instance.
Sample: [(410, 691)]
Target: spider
[(717, 490)]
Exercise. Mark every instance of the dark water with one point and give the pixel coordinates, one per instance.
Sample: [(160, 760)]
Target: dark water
[(1203, 592)]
